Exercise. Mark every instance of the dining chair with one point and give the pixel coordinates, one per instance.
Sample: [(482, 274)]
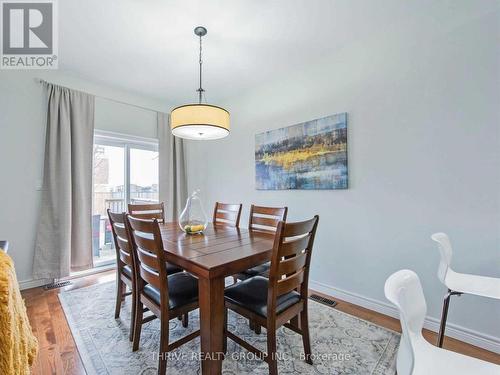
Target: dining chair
[(262, 219), (125, 265), (167, 296), (156, 211), (416, 356), (148, 211), (275, 301), (227, 214), (459, 283)]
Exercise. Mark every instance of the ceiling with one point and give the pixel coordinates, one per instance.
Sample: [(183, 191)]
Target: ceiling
[(148, 47)]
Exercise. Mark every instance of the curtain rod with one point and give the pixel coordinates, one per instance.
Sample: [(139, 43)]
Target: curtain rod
[(40, 80)]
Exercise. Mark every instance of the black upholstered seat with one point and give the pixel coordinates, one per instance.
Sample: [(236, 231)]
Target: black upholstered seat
[(171, 269), (260, 270), (182, 290), (252, 295)]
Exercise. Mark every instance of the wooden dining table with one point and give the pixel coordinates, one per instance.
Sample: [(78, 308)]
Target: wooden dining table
[(218, 252)]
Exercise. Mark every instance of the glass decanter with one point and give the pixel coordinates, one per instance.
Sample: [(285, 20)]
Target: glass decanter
[(193, 218)]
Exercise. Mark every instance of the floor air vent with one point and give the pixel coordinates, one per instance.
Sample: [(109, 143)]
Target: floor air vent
[(323, 300), (56, 285)]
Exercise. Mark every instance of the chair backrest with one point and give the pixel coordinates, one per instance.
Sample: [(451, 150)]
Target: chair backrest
[(404, 290), (148, 211), (266, 219), (293, 244), (227, 214), (445, 251), (121, 235), (148, 245)]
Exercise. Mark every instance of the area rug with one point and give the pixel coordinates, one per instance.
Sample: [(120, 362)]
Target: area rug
[(341, 343)]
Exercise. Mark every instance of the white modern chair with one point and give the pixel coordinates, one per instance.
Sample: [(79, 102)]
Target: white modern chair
[(459, 283), (416, 356)]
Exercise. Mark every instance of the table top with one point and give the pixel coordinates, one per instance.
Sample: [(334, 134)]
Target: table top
[(218, 252)]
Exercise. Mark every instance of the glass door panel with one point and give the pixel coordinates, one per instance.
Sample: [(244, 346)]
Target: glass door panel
[(108, 193), (143, 176)]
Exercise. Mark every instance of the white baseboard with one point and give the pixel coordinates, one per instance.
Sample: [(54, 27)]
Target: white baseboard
[(467, 335), (28, 284)]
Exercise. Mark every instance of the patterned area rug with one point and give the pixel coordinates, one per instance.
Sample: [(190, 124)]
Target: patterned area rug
[(341, 343)]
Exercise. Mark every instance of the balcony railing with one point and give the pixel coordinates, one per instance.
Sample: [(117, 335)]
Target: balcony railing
[(116, 203)]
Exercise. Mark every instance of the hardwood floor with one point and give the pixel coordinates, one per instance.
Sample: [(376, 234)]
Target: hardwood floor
[(57, 350), (58, 353), (391, 323)]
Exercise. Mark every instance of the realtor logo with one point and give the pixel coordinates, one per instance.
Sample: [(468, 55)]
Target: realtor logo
[(29, 34)]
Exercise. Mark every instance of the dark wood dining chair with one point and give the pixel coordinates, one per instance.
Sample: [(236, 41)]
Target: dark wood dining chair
[(262, 219), (282, 298), (166, 296), (148, 211), (125, 264), (227, 214)]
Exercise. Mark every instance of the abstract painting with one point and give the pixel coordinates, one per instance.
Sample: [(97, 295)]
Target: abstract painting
[(310, 156)]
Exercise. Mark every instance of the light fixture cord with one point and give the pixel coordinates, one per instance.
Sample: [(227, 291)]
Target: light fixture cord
[(200, 90)]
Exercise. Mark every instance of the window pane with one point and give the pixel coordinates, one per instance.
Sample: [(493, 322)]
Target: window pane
[(143, 176), (109, 182)]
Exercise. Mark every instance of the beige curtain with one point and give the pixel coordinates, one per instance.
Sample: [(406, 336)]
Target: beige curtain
[(173, 186), (64, 237)]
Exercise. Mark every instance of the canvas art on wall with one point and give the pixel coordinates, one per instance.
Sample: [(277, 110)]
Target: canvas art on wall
[(311, 155)]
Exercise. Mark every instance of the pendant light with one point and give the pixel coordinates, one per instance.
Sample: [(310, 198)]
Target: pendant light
[(199, 121)]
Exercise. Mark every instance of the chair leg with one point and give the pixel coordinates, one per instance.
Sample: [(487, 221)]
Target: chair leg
[(251, 325), (185, 320), (162, 362), (304, 326), (224, 344), (133, 313), (295, 322), (120, 289), (257, 328), (124, 291), (444, 317), (139, 311), (271, 351)]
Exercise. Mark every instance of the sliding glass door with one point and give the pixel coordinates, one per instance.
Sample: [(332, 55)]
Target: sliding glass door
[(143, 175), (125, 171), (108, 192)]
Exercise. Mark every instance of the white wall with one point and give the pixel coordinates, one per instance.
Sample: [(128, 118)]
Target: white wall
[(424, 156), (124, 118), (22, 133)]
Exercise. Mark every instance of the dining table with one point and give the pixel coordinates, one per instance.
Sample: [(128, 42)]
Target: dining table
[(220, 251)]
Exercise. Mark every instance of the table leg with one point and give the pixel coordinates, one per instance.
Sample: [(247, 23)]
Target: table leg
[(211, 299)]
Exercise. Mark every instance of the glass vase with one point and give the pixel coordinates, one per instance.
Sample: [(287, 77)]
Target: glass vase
[(193, 218)]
